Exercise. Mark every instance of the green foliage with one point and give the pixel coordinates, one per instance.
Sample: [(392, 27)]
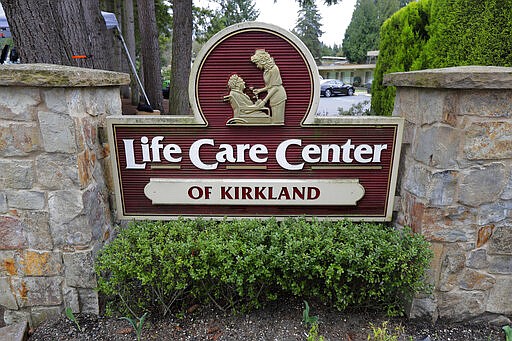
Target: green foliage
[(334, 50), (313, 333), (382, 333), (72, 318), (470, 32), (508, 333), (359, 109), (6, 41), (163, 21), (435, 34), (402, 39), (230, 12), (147, 265), (362, 34), (241, 264), (164, 26), (166, 76), (137, 324), (308, 29), (308, 320)]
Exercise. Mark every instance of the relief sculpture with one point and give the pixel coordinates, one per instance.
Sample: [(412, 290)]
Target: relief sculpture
[(248, 112)]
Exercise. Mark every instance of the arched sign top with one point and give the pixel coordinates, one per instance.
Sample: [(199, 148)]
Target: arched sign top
[(254, 73)]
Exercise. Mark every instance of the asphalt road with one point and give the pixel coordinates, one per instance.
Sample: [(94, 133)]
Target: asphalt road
[(329, 106)]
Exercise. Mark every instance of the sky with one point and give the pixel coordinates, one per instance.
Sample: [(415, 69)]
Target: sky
[(335, 18), (283, 13)]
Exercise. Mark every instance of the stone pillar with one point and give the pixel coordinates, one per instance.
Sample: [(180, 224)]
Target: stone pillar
[(54, 199), (455, 185)]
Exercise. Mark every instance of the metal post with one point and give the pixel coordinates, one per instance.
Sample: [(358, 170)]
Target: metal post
[(134, 70)]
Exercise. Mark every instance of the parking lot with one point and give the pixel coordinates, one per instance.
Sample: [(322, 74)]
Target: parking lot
[(328, 106)]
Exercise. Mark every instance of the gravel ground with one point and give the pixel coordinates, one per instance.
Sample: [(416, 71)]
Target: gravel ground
[(281, 321)]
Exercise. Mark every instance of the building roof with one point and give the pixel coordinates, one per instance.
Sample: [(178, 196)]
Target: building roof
[(343, 67)]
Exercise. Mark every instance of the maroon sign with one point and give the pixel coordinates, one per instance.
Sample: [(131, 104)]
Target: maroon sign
[(254, 146)]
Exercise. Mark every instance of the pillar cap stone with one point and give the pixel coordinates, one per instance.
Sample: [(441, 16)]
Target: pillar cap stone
[(459, 77), (51, 75)]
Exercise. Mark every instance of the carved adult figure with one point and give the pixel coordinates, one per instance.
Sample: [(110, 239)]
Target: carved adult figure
[(276, 94)]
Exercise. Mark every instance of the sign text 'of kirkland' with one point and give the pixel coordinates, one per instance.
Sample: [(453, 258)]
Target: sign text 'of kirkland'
[(254, 146)]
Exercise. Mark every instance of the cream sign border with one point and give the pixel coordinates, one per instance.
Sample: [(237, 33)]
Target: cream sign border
[(198, 120)]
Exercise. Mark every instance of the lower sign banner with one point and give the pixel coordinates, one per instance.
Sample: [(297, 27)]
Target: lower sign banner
[(163, 171), (253, 192)]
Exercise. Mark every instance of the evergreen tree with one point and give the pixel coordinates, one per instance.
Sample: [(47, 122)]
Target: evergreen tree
[(308, 29), (469, 32), (430, 34), (403, 38), (362, 34), (231, 12), (334, 50)]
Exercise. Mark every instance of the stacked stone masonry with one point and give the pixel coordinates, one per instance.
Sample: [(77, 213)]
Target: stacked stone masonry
[(54, 199), (456, 185)]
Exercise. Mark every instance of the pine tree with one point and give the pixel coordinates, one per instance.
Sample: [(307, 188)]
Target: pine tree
[(362, 34), (308, 29), (231, 12)]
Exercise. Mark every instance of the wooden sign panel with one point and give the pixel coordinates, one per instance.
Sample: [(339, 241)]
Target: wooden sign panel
[(254, 146)]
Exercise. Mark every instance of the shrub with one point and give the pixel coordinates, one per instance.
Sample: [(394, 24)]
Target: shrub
[(430, 34), (360, 109), (469, 32), (402, 39), (241, 264), (146, 267)]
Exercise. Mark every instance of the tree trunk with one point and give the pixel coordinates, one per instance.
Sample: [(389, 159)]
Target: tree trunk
[(181, 57), (55, 31), (120, 62), (150, 52), (44, 47), (95, 34), (129, 36)]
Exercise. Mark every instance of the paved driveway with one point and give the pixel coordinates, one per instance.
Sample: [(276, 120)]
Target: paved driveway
[(329, 106)]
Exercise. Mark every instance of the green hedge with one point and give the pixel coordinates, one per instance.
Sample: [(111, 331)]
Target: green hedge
[(402, 39), (241, 264), (470, 32), (434, 34)]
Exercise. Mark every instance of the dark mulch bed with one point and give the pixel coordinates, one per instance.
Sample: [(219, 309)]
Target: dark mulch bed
[(280, 321)]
